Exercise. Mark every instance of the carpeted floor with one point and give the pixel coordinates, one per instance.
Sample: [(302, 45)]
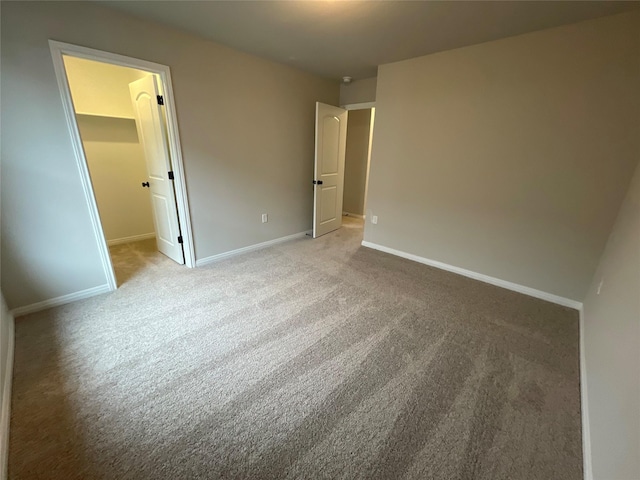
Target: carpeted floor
[(314, 359)]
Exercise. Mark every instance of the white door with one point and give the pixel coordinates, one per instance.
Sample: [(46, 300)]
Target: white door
[(331, 139), (152, 134)]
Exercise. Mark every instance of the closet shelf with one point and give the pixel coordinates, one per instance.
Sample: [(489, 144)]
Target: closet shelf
[(115, 117)]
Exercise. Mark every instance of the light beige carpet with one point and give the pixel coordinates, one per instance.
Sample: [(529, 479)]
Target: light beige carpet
[(314, 359)]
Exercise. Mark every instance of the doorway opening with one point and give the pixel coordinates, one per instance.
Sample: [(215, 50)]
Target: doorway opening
[(357, 161), (121, 118), (342, 164)]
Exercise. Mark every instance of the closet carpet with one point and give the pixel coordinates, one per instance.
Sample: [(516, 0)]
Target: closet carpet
[(312, 359)]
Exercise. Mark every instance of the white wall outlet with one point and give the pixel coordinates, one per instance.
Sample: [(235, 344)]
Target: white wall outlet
[(265, 218), (374, 219)]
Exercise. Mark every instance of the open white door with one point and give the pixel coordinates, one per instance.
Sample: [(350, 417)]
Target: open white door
[(331, 139), (152, 134)]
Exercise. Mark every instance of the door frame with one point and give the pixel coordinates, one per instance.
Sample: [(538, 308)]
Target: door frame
[(58, 49)]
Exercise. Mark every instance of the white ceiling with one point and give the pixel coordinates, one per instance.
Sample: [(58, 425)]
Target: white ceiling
[(337, 38)]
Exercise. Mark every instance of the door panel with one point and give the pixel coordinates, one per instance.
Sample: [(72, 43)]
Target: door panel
[(152, 135), (164, 232), (328, 204), (331, 136), (330, 145)]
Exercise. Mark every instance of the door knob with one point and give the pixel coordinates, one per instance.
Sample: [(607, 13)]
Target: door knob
[(145, 184)]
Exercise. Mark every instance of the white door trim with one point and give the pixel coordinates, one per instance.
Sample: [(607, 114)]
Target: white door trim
[(587, 466), (372, 120), (163, 71)]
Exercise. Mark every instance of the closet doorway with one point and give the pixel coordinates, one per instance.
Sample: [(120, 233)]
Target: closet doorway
[(126, 144)]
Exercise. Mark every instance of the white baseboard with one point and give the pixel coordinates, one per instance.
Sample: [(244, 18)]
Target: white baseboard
[(5, 413), (532, 292), (214, 258), (349, 214), (54, 302), (584, 407), (133, 238)]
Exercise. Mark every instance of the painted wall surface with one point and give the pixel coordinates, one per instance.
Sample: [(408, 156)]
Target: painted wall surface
[(117, 166), (358, 91), (114, 154), (246, 127), (612, 347), (100, 88), (510, 158), (356, 159)]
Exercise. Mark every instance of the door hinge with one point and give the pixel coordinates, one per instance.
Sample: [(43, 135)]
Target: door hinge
[(170, 175), (180, 239), (160, 100), (317, 182)]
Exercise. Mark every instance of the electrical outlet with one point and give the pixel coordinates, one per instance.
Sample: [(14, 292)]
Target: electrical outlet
[(600, 287), (265, 218), (374, 219)]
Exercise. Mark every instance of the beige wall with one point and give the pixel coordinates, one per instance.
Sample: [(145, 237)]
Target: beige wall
[(114, 154), (100, 88), (358, 91), (356, 160), (510, 158), (246, 127), (612, 347), (117, 166)]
